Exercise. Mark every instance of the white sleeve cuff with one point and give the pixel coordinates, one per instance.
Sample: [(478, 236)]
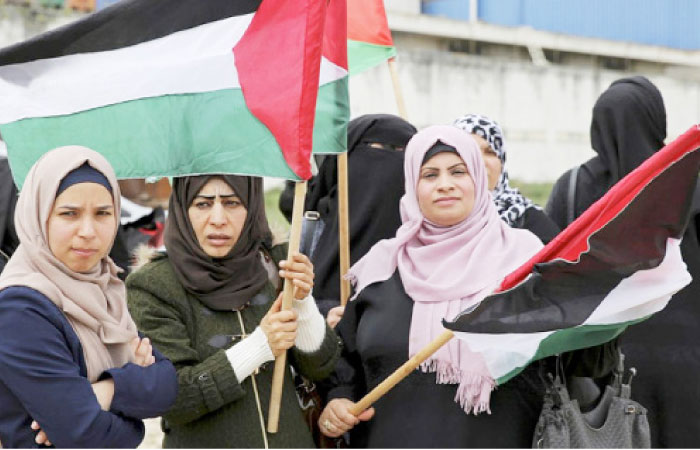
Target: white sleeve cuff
[(249, 354), (311, 325)]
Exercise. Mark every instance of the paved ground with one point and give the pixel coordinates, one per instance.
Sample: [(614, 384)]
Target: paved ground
[(154, 437)]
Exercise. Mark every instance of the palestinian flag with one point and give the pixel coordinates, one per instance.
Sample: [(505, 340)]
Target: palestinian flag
[(616, 265), (369, 38), (177, 87)]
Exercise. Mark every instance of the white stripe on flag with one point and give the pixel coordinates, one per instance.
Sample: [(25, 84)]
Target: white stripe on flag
[(504, 352), (643, 293), (656, 285), (196, 60)]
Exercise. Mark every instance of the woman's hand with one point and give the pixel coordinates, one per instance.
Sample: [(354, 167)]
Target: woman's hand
[(336, 419), (334, 316), (300, 272), (41, 437), (143, 352), (280, 327), (104, 391)]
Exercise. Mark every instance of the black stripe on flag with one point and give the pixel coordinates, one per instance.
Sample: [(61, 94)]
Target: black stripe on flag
[(562, 294), (126, 23)]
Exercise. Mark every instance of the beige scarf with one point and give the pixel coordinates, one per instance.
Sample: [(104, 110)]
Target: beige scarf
[(94, 303)]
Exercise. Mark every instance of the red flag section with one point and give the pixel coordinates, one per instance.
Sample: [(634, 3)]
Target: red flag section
[(367, 22), (335, 47), (616, 265), (571, 242), (278, 61)]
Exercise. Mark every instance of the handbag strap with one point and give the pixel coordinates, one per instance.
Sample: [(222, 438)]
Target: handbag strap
[(556, 385), (571, 196), (625, 388)]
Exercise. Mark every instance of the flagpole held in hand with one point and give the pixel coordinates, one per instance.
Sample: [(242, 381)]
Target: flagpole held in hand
[(343, 226), (287, 297), (402, 372), (672, 170)]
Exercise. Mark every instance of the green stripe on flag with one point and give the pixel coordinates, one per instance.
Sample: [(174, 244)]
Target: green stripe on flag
[(332, 116), (211, 132), (573, 339), (363, 55)]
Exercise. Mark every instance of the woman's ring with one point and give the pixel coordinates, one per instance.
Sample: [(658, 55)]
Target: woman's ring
[(328, 425)]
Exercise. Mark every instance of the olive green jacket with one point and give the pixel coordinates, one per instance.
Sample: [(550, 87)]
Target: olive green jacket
[(213, 409)]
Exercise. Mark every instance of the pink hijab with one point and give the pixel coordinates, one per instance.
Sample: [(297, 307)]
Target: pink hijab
[(446, 270), (95, 302)]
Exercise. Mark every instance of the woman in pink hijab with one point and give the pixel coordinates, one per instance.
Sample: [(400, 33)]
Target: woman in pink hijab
[(451, 251)]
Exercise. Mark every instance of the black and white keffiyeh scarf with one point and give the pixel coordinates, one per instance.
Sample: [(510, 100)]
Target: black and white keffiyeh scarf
[(510, 202)]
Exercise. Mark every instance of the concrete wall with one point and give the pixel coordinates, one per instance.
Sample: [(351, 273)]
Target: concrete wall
[(545, 111), (404, 6), (18, 23)]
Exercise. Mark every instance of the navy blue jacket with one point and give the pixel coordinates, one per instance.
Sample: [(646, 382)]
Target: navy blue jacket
[(43, 377)]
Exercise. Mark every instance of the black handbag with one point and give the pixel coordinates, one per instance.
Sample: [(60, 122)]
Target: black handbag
[(311, 406), (616, 421)]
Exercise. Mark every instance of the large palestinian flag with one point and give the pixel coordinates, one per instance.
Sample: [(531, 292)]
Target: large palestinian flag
[(616, 265), (175, 87), (369, 38)]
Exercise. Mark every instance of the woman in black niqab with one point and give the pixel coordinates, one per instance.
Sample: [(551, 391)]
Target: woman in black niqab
[(628, 126), (376, 184), (8, 199)]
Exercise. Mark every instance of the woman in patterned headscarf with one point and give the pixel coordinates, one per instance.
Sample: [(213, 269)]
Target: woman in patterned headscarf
[(515, 209)]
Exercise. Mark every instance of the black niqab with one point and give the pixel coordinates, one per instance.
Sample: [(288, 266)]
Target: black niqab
[(226, 283), (8, 200), (376, 184)]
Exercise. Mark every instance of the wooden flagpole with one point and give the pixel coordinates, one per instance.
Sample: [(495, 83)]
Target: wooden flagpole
[(287, 297), (343, 208), (398, 93), (410, 365), (401, 373), (343, 226)]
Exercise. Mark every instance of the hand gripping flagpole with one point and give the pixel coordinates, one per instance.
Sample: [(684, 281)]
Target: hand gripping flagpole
[(668, 156), (410, 365), (287, 297)]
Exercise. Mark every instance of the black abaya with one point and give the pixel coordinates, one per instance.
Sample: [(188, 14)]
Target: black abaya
[(418, 412), (8, 200), (629, 125)]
